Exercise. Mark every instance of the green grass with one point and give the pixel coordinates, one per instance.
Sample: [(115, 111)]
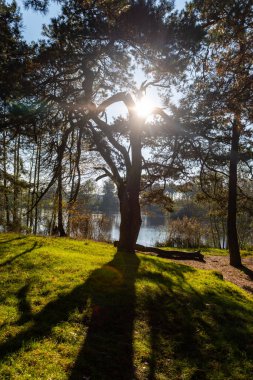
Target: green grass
[(74, 310)]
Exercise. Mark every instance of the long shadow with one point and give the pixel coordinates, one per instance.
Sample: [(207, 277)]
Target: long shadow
[(107, 352), (172, 326), (247, 271), (23, 305), (207, 331), (53, 313), (5, 246), (8, 262), (9, 240)]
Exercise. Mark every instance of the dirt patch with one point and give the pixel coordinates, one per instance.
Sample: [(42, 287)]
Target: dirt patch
[(241, 277)]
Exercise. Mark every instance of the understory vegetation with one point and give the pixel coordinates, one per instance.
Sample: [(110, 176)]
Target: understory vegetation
[(78, 310)]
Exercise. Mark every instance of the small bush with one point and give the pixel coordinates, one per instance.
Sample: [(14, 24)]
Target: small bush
[(185, 232)]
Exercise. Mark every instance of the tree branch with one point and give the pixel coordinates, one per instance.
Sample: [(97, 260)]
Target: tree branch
[(119, 97)]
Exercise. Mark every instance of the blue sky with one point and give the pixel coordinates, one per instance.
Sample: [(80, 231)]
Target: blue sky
[(33, 21)]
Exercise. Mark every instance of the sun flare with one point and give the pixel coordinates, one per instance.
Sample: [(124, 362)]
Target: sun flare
[(144, 107)]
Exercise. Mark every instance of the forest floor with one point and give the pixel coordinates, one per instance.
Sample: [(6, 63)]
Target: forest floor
[(242, 277), (77, 310)]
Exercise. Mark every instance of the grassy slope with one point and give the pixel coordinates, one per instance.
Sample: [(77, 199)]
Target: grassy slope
[(73, 310)]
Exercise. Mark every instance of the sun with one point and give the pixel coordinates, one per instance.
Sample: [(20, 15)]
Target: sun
[(144, 107)]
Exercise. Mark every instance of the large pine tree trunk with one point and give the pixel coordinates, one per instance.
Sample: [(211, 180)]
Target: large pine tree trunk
[(130, 219), (129, 193), (233, 244)]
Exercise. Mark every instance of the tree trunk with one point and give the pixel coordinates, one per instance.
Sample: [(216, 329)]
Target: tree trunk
[(34, 212), (223, 233), (129, 193), (130, 219), (233, 244), (6, 198), (16, 189), (60, 211), (37, 185), (52, 223), (29, 194), (33, 220)]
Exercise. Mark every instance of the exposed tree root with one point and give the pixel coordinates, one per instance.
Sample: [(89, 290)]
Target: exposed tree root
[(176, 255)]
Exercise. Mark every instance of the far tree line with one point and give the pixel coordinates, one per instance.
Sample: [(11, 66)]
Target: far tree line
[(55, 96)]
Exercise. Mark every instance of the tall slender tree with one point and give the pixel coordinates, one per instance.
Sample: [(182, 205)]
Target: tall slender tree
[(13, 51), (221, 95)]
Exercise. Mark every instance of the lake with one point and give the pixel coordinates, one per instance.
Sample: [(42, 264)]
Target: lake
[(153, 230)]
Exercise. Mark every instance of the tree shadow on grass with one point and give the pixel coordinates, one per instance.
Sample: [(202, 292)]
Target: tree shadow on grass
[(107, 350), (5, 246), (23, 305), (9, 261), (10, 240), (205, 334), (172, 337), (53, 313)]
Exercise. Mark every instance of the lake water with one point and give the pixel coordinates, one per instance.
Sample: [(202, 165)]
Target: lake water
[(153, 230)]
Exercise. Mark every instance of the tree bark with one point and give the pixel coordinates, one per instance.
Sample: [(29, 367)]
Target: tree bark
[(29, 194), (16, 188), (60, 211), (233, 244), (129, 193), (6, 198), (37, 184), (130, 219)]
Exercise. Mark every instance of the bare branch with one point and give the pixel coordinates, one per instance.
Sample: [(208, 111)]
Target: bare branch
[(119, 97), (107, 131), (106, 174)]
